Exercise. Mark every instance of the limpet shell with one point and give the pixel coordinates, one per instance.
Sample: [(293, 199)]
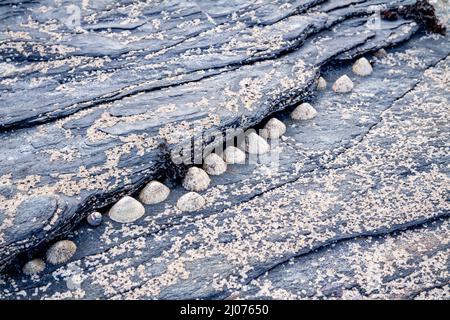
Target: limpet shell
[(343, 85), (362, 67), (191, 201), (254, 144), (126, 210), (273, 129), (305, 111), (233, 155), (196, 179), (33, 267), (214, 165), (321, 84), (154, 192), (61, 252)]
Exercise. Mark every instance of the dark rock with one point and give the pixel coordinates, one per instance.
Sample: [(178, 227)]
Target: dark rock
[(92, 116), (370, 164), (32, 215)]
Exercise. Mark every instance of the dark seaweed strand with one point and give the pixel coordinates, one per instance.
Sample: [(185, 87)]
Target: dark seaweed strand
[(422, 12)]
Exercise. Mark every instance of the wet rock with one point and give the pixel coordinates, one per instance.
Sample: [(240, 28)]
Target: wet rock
[(126, 210), (32, 214), (352, 259), (154, 192), (340, 187), (89, 116)]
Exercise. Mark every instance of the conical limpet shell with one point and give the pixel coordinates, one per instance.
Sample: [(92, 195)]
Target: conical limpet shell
[(214, 165), (362, 67), (254, 144), (154, 192), (191, 201), (233, 155), (61, 252), (33, 267), (343, 85), (321, 84), (380, 53), (273, 129), (126, 210), (305, 111), (196, 179)]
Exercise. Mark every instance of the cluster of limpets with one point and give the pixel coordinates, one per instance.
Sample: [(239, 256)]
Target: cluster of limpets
[(128, 209), (361, 67), (60, 252)]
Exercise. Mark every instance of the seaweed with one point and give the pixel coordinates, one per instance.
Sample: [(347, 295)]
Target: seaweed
[(422, 12)]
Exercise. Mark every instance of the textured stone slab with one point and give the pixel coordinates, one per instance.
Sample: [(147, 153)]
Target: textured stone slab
[(370, 163), (413, 264), (88, 115)]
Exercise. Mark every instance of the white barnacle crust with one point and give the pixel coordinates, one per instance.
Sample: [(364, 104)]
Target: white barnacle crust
[(362, 67), (126, 210), (154, 192), (196, 179), (33, 267), (273, 129), (254, 144), (305, 111), (191, 201), (233, 155), (214, 165), (321, 84), (343, 85), (61, 252)]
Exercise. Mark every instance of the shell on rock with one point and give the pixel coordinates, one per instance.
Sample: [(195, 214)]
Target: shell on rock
[(362, 67), (254, 144), (233, 155), (214, 165), (126, 210), (154, 192), (381, 53), (61, 252), (321, 83), (273, 129), (305, 111), (196, 179), (191, 201), (94, 219), (343, 85), (33, 267)]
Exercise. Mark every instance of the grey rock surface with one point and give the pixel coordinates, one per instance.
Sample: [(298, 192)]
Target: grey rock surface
[(91, 112), (357, 208)]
